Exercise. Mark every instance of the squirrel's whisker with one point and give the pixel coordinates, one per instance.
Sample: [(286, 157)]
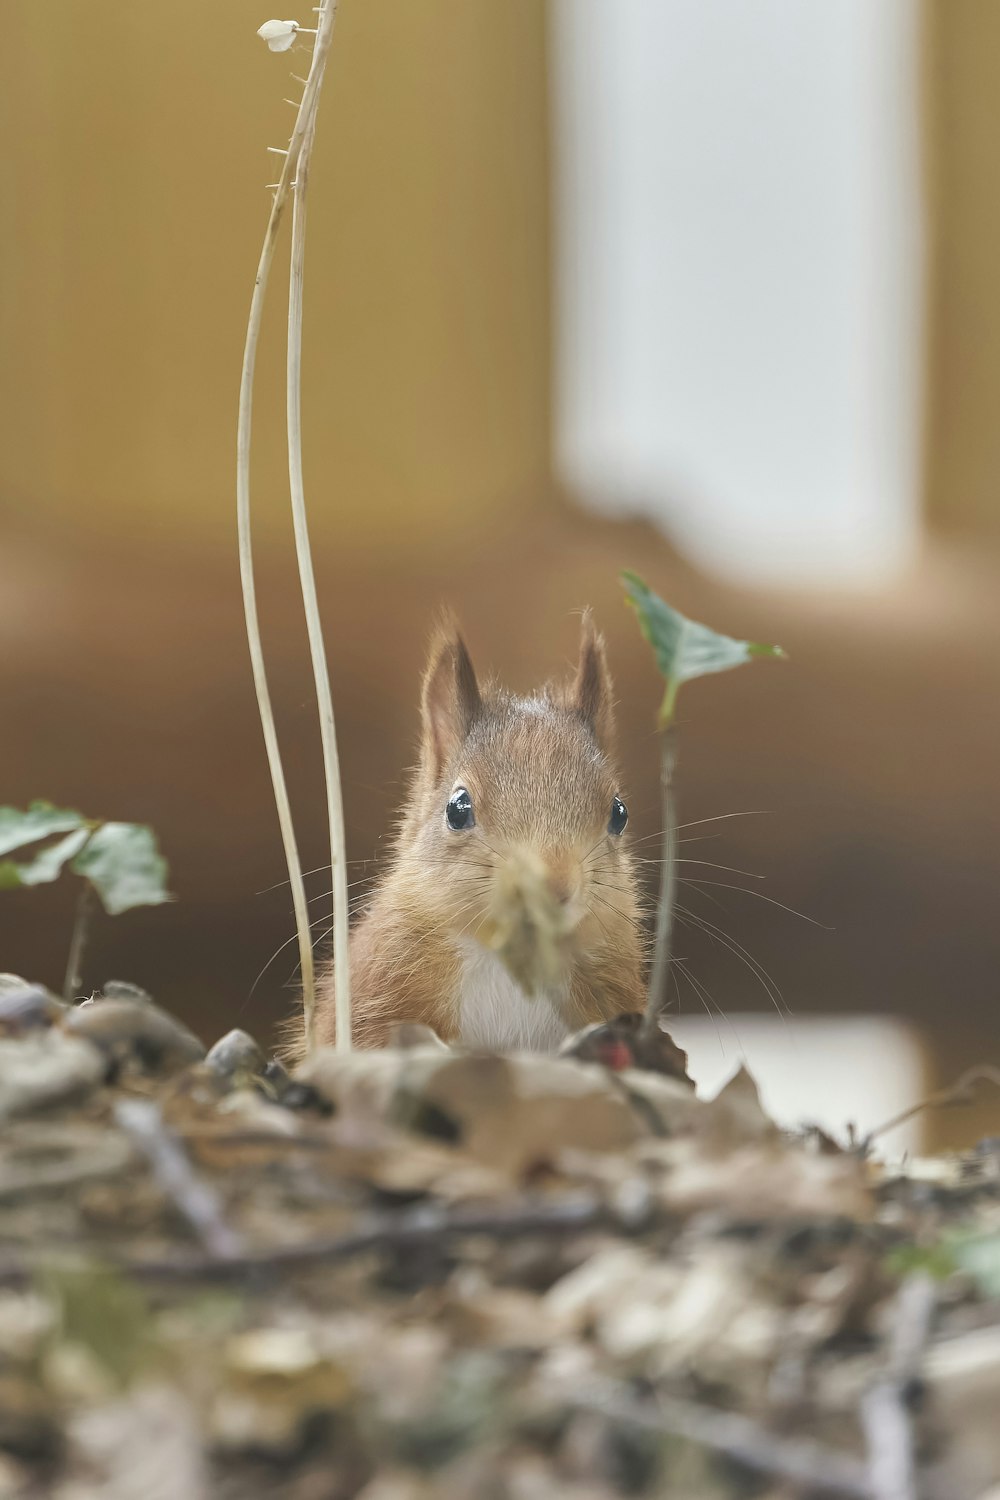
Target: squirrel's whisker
[(618, 912), (692, 838), (727, 886), (725, 940), (710, 863), (755, 812), (679, 966)]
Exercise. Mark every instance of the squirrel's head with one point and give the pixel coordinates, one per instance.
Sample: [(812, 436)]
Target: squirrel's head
[(518, 820)]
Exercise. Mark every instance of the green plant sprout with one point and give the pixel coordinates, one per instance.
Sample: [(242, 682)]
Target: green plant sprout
[(119, 863), (684, 650)]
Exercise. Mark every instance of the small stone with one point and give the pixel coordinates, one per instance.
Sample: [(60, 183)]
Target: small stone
[(27, 1007), (43, 1069), (122, 989), (135, 1033), (237, 1055)]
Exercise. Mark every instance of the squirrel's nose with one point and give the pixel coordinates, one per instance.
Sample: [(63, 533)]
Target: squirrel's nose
[(561, 879)]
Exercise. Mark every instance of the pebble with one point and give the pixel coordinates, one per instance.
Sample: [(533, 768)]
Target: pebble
[(121, 989), (27, 1007), (237, 1054), (135, 1033), (45, 1068)]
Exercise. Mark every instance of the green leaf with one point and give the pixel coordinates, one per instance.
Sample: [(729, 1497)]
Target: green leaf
[(978, 1255), (124, 866), (47, 864), (18, 828), (936, 1260), (106, 1314), (684, 649)]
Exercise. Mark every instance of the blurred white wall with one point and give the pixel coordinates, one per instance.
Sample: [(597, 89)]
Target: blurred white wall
[(738, 275), (831, 1071)]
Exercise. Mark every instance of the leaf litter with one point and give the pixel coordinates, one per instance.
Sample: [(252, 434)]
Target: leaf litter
[(424, 1273)]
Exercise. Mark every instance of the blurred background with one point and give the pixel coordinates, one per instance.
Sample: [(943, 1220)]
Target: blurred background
[(709, 291)]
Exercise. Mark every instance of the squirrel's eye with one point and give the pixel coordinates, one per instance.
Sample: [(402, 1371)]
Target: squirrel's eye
[(459, 810), (618, 818)]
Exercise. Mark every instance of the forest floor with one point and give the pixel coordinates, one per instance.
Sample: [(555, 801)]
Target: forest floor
[(421, 1273)]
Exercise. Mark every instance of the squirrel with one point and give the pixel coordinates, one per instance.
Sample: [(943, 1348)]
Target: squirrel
[(512, 841)]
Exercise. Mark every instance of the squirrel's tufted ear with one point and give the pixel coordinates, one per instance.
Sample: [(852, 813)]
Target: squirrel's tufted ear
[(591, 692), (450, 698)]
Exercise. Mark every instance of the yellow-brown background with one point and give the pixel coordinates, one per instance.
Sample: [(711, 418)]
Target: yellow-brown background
[(134, 200)]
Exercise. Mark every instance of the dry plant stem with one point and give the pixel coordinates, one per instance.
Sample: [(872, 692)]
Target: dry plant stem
[(885, 1410), (959, 1092), (799, 1461), (78, 941), (328, 731), (379, 1233), (306, 114), (660, 974)]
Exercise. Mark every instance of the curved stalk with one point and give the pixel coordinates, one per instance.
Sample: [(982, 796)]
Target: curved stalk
[(659, 978), (307, 579), (306, 115)]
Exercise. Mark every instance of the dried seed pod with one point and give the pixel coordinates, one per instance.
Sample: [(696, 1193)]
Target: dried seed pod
[(279, 35)]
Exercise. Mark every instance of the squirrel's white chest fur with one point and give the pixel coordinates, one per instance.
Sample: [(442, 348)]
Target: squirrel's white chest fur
[(494, 1012)]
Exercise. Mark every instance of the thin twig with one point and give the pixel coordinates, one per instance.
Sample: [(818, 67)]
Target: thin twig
[(307, 579), (197, 1203), (798, 1460), (59, 1159), (85, 908), (885, 1413), (409, 1229), (959, 1092), (659, 977), (289, 167)]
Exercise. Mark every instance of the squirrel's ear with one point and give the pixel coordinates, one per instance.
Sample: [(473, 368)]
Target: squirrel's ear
[(450, 698), (591, 693)]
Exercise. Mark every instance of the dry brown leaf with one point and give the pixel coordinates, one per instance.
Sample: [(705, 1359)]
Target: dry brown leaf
[(736, 1114), (514, 1112), (507, 1112), (275, 1379), (504, 1317), (757, 1183), (148, 1443)]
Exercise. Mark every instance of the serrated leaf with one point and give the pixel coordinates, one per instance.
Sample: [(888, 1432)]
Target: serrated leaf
[(41, 819), (47, 864), (123, 864), (683, 648)]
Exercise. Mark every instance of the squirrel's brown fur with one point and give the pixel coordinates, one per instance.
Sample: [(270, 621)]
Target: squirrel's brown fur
[(541, 776)]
